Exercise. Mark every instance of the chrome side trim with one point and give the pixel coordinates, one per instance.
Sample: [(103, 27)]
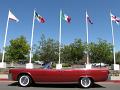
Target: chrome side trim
[(57, 82)]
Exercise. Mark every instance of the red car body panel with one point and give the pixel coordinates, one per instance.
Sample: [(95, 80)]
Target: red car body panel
[(62, 75)]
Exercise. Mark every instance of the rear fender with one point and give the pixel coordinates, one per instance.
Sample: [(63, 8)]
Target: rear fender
[(24, 73)]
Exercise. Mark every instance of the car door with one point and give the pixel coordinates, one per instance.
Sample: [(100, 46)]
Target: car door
[(49, 75)]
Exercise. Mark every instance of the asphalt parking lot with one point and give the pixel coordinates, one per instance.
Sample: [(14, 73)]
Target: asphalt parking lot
[(8, 85)]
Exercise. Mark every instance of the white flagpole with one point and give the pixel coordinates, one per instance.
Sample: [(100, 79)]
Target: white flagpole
[(5, 38), (113, 39), (32, 37), (60, 37), (87, 37)]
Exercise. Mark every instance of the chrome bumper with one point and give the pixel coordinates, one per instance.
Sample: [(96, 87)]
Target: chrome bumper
[(10, 76)]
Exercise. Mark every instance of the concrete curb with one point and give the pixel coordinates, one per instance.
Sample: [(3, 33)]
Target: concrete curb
[(114, 81), (4, 79), (2, 76)]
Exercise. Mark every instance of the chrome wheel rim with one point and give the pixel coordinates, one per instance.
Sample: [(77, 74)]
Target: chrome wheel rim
[(24, 80), (85, 82)]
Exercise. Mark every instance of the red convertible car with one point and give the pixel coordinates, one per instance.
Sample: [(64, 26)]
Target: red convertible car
[(84, 77)]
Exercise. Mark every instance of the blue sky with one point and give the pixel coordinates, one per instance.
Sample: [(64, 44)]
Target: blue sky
[(98, 10)]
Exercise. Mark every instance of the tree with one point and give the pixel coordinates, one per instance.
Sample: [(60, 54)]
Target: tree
[(74, 52), (0, 57), (118, 57), (101, 52), (47, 50), (18, 49)]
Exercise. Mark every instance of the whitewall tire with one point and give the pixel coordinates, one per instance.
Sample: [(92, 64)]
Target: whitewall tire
[(85, 82), (24, 80)]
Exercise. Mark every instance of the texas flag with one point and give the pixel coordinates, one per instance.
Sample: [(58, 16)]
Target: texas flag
[(11, 16), (115, 18), (66, 17), (39, 18)]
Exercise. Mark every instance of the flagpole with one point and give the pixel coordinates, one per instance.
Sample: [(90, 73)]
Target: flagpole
[(32, 37), (87, 37), (113, 39), (60, 37), (5, 38)]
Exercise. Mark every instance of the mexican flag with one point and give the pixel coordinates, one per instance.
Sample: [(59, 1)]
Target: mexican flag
[(66, 17)]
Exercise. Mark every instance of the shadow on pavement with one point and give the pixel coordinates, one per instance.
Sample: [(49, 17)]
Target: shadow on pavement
[(13, 84), (97, 86), (57, 85)]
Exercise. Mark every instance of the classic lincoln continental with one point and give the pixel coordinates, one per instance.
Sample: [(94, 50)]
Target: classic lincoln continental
[(84, 77)]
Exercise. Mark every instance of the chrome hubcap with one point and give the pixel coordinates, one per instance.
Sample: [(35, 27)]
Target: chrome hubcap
[(85, 82), (24, 80)]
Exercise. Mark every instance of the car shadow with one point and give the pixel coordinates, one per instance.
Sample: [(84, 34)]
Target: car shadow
[(13, 84), (97, 86), (57, 85)]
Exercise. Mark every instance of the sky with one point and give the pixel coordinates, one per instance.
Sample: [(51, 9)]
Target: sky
[(98, 11)]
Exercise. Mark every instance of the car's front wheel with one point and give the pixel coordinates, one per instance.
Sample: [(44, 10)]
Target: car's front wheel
[(24, 80), (85, 82)]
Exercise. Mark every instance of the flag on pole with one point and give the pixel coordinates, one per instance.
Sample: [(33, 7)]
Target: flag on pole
[(115, 18), (39, 18), (11, 16), (66, 17), (88, 18)]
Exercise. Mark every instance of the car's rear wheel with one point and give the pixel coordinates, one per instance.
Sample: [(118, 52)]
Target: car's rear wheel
[(85, 82), (24, 80)]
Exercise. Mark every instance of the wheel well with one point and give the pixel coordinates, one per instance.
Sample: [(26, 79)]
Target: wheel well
[(24, 74), (87, 77)]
